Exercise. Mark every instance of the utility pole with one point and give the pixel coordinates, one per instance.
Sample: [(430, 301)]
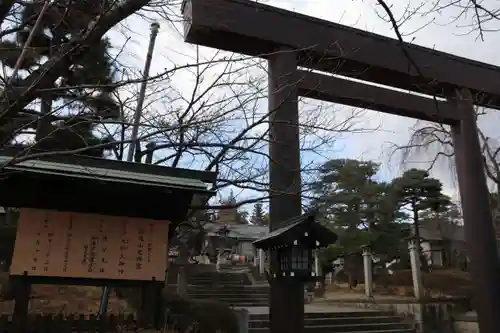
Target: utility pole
[(103, 307), (145, 76)]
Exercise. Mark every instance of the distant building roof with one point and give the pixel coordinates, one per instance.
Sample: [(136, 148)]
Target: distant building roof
[(435, 233), (240, 231)]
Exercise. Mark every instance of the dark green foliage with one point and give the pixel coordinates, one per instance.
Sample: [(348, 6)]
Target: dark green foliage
[(364, 211), (199, 315), (83, 94), (8, 236), (188, 315), (6, 287), (417, 192), (7, 239), (360, 209), (416, 189)]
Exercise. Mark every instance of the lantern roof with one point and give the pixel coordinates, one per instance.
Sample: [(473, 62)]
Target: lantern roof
[(301, 227)]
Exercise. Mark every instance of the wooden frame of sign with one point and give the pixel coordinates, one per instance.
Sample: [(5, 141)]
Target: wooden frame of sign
[(69, 248)]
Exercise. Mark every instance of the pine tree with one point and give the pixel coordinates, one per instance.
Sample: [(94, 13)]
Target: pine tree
[(73, 126), (419, 192), (358, 207), (416, 190)]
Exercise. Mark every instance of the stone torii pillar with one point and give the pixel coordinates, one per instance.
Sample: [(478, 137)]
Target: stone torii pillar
[(478, 220), (286, 308)]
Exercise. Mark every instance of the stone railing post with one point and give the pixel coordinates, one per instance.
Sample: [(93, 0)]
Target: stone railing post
[(367, 265), (328, 278), (182, 281), (317, 271), (415, 268), (316, 263), (255, 257), (242, 316), (262, 258), (219, 259)]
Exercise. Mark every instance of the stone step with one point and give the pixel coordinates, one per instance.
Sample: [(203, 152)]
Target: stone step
[(212, 281), (228, 276), (226, 290), (228, 296), (353, 327), (381, 330), (259, 302), (343, 314), (331, 321), (220, 278), (217, 283), (223, 287), (234, 286), (230, 289), (232, 300), (245, 305)]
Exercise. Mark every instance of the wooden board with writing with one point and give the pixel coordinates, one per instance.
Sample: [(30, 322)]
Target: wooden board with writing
[(65, 244)]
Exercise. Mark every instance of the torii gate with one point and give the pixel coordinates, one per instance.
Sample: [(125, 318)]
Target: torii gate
[(288, 40)]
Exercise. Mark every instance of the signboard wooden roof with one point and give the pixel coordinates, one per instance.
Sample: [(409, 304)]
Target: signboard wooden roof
[(76, 245), (130, 185)]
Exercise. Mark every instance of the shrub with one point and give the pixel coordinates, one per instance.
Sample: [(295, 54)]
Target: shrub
[(449, 282), (183, 314), (6, 287), (205, 315)]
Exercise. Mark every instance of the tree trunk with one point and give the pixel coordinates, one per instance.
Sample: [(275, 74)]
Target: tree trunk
[(43, 125)]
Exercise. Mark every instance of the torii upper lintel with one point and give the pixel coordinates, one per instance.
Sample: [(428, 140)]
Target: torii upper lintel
[(252, 28)]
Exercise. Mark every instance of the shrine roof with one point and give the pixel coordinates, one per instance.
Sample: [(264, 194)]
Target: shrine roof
[(295, 228)]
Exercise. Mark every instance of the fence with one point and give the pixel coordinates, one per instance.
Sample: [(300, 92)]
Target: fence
[(67, 324)]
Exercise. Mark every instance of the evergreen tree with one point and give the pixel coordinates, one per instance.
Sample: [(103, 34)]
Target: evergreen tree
[(344, 189), (73, 126), (360, 209), (416, 191), (444, 219), (258, 215)]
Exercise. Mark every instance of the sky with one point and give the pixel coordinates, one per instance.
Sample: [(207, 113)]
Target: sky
[(438, 31)]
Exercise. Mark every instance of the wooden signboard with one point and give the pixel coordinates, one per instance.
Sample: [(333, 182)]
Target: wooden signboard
[(76, 245)]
